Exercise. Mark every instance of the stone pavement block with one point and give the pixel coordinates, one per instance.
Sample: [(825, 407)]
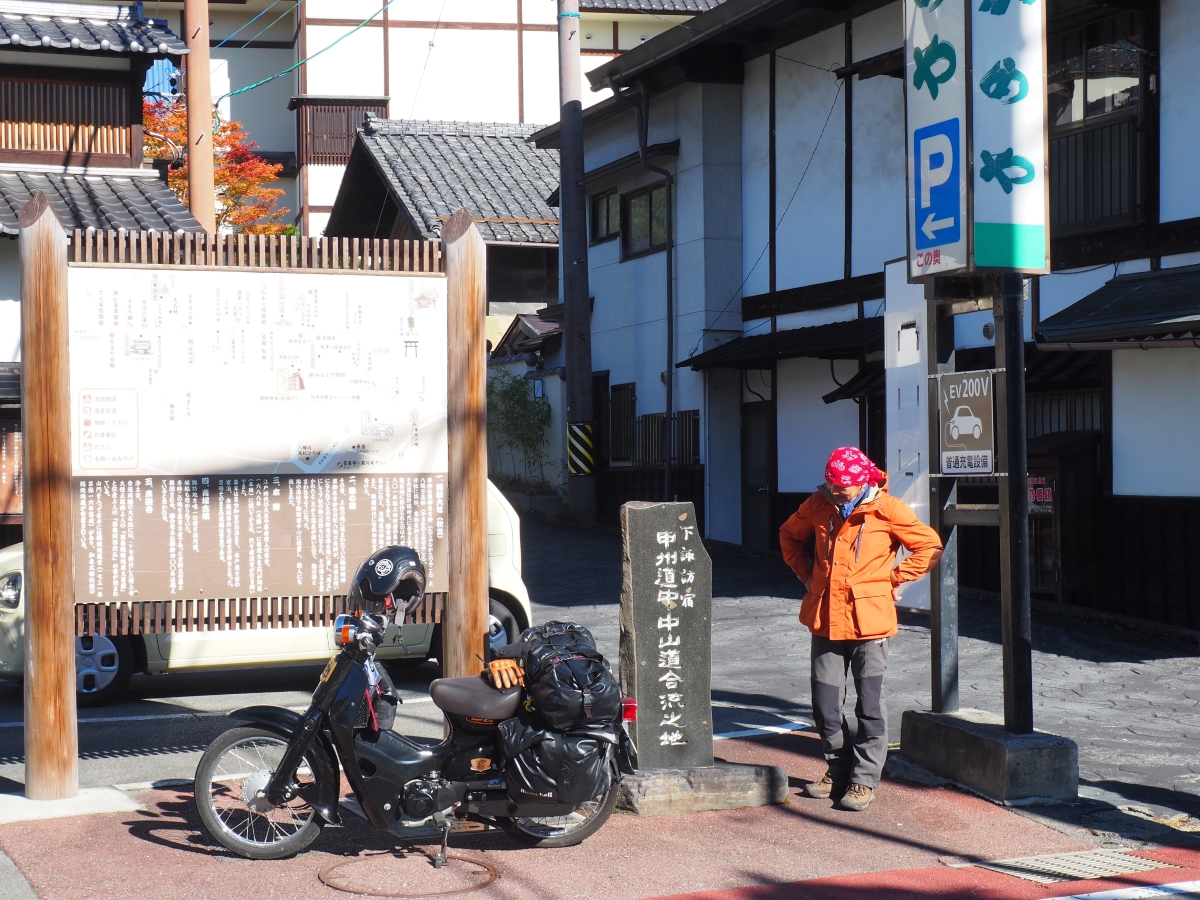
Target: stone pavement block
[(660, 792), (972, 748)]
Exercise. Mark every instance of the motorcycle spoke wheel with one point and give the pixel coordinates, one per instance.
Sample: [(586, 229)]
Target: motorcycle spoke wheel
[(231, 775), (566, 831)]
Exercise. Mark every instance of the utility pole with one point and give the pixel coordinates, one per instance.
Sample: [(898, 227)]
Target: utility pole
[(572, 243), (201, 187)]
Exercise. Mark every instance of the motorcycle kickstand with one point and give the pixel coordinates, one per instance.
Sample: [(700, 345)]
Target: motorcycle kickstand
[(443, 823)]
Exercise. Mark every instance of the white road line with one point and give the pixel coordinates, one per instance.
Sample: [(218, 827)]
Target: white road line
[(197, 714), (764, 729), (1179, 889)]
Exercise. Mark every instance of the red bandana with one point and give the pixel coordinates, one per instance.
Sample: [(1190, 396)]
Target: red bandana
[(849, 466)]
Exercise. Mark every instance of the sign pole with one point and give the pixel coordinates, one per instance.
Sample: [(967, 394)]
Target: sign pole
[(51, 737), (465, 623), (1016, 629)]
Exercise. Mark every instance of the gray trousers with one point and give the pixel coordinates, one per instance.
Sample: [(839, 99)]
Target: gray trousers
[(859, 759)]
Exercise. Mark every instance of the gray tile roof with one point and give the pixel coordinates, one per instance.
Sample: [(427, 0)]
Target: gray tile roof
[(435, 168), (45, 24), (693, 7), (137, 200)]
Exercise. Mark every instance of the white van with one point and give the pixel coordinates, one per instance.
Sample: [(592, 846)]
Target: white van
[(103, 665)]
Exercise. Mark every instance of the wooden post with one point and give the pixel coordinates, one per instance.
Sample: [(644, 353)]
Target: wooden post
[(201, 186), (51, 736), (465, 624)]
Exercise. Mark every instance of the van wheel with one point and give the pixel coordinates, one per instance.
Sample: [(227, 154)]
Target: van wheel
[(103, 667)]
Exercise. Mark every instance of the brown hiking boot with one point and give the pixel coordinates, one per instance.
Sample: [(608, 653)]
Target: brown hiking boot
[(857, 798), (825, 788)]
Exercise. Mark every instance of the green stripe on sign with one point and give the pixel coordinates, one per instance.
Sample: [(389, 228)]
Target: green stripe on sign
[(1010, 246)]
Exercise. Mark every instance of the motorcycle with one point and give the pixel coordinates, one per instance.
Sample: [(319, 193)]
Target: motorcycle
[(265, 789)]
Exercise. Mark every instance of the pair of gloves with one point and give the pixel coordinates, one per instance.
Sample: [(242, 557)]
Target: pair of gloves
[(505, 673)]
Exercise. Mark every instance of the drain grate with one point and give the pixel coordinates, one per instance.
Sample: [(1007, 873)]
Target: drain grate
[(1058, 867)]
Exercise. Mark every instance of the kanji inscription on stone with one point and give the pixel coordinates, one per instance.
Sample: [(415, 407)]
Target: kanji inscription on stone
[(666, 634)]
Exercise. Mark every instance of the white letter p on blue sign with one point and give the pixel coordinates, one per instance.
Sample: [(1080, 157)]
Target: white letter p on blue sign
[(939, 184)]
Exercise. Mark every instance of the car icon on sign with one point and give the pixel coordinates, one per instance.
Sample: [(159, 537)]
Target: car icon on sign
[(964, 420)]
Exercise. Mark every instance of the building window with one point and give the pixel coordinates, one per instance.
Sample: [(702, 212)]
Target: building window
[(644, 223), (1098, 84), (606, 217)]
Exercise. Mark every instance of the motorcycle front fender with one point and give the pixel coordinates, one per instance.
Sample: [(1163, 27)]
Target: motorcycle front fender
[(321, 756)]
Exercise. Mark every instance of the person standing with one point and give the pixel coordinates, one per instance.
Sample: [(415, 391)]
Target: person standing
[(842, 544)]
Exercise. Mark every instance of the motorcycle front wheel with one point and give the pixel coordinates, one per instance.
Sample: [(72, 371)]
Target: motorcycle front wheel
[(232, 773), (565, 831)]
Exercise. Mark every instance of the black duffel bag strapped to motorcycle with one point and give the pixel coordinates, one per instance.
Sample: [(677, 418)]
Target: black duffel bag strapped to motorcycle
[(568, 681), (544, 766)]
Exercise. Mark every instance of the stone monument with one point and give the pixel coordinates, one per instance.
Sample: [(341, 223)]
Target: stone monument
[(666, 664)]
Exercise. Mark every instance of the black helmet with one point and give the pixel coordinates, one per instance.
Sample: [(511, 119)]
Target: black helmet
[(389, 580)]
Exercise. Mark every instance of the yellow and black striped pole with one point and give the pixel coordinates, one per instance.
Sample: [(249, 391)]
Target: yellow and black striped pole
[(581, 448)]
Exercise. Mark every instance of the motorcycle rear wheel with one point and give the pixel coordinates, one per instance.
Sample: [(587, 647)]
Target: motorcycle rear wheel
[(236, 766), (569, 830)]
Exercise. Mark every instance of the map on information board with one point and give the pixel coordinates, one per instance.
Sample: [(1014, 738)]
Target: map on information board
[(242, 433), (192, 372)]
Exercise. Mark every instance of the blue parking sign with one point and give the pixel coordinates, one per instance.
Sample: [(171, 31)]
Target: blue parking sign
[(937, 176)]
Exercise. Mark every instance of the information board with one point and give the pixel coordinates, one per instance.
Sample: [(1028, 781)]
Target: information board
[(246, 433), (10, 468)]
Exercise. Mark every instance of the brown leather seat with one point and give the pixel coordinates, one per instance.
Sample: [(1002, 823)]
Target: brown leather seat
[(475, 698)]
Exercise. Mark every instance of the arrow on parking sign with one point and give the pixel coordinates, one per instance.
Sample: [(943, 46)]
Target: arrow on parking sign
[(933, 225)]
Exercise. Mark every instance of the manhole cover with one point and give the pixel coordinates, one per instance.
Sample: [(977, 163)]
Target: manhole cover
[(407, 874), (1074, 866)]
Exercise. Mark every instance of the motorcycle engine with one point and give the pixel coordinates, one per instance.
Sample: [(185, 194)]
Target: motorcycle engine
[(425, 796)]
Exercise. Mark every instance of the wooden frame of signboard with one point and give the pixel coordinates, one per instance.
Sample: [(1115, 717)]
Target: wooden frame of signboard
[(47, 253)]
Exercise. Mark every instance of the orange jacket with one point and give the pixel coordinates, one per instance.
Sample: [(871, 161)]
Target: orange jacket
[(850, 566)]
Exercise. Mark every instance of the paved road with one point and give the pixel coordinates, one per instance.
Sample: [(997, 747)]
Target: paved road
[(1131, 701)]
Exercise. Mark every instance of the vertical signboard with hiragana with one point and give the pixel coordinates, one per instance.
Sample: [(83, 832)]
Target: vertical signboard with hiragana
[(937, 78), (1011, 199), (976, 146)]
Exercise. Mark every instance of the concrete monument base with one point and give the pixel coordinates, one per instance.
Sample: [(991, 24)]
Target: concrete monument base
[(971, 748), (661, 792)]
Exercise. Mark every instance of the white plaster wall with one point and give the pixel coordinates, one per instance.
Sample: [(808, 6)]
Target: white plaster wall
[(539, 12), (1179, 112), (354, 68), (810, 234), (350, 9), (541, 77), (1155, 418), (458, 10), (877, 218), (756, 185), (10, 300), (452, 87), (808, 429), (263, 111), (316, 223), (323, 183), (878, 31), (1180, 259), (907, 396)]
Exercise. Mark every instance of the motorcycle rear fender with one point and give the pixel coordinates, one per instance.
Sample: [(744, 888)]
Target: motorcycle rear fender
[(326, 773)]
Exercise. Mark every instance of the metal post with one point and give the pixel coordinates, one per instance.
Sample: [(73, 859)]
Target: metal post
[(51, 736), (201, 186), (1016, 629), (572, 224), (465, 625), (943, 580)]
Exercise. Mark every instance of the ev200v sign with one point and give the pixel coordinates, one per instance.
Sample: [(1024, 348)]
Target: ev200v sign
[(976, 128)]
